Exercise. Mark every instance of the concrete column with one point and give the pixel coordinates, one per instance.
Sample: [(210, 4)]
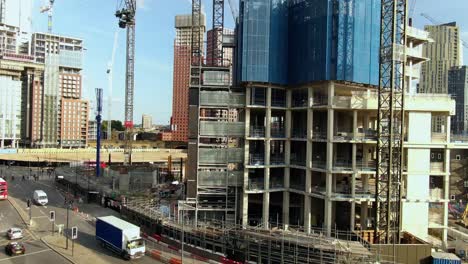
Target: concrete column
[(328, 216), (364, 208), (355, 118), (448, 128), (307, 215), (286, 209), (245, 210), (352, 215), (446, 189), (266, 210), (329, 162)]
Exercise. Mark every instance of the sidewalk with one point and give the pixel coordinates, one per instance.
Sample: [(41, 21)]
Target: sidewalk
[(80, 254)]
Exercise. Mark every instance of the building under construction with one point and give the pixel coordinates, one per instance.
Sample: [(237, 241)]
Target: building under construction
[(294, 141)]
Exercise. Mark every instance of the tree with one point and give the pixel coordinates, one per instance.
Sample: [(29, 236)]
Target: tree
[(115, 125)]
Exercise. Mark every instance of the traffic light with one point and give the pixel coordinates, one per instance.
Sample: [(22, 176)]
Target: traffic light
[(74, 232)]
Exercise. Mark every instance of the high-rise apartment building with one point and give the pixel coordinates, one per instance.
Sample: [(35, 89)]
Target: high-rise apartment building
[(458, 89), (62, 58), (18, 14), (182, 57), (146, 121), (444, 52), (19, 77), (302, 149)]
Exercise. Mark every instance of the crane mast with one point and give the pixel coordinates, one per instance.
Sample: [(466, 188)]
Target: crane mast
[(217, 33), (390, 121), (126, 18), (49, 9), (98, 136)]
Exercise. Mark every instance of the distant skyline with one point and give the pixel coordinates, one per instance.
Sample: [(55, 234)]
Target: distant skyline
[(95, 23)]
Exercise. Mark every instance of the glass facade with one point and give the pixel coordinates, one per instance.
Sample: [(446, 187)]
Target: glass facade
[(301, 41)]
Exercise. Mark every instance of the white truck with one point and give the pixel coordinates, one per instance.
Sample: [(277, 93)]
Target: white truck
[(120, 236)]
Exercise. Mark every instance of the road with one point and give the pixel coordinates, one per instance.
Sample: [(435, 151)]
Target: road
[(23, 190), (36, 251)]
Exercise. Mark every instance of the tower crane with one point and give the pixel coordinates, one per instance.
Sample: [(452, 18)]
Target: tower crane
[(126, 17), (110, 72), (49, 9), (390, 121), (98, 136)]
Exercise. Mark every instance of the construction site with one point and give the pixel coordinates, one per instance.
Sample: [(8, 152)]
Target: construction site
[(307, 139)]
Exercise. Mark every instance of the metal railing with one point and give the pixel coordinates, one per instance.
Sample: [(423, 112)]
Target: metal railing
[(299, 133), (256, 159), (319, 135), (256, 184), (257, 131), (343, 136), (278, 132), (277, 160), (343, 165), (319, 164), (369, 165), (320, 100)]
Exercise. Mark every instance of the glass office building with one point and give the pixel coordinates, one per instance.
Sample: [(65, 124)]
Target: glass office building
[(301, 41)]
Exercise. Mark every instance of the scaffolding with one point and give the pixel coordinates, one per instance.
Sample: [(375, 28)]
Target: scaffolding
[(251, 244)]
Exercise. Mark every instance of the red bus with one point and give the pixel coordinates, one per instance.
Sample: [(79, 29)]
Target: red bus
[(3, 189)]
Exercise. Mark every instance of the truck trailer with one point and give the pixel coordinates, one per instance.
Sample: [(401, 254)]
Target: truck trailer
[(120, 236)]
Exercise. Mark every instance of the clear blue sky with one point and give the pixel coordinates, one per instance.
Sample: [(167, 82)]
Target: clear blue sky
[(95, 23)]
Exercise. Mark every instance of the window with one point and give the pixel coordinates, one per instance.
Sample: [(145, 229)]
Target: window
[(465, 184)]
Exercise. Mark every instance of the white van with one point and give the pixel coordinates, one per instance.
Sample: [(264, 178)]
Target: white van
[(40, 197)]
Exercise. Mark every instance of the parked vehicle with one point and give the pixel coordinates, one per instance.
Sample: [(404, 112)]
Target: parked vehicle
[(3, 189), (14, 233), (120, 236), (40, 197), (15, 248)]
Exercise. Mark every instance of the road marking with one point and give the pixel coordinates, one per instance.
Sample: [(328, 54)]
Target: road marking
[(42, 216), (28, 254)]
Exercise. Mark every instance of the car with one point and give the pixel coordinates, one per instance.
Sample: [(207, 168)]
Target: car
[(14, 233), (15, 248), (40, 197)]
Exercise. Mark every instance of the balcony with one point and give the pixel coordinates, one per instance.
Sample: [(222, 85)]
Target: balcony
[(298, 160), (369, 166), (257, 131), (342, 190), (256, 159), (438, 137), (342, 165), (257, 184), (342, 102), (213, 128), (276, 183), (436, 193), (343, 136), (320, 100), (220, 155), (221, 98), (319, 135), (277, 132), (212, 178), (277, 160), (299, 133), (437, 167), (366, 135), (299, 98), (319, 164)]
